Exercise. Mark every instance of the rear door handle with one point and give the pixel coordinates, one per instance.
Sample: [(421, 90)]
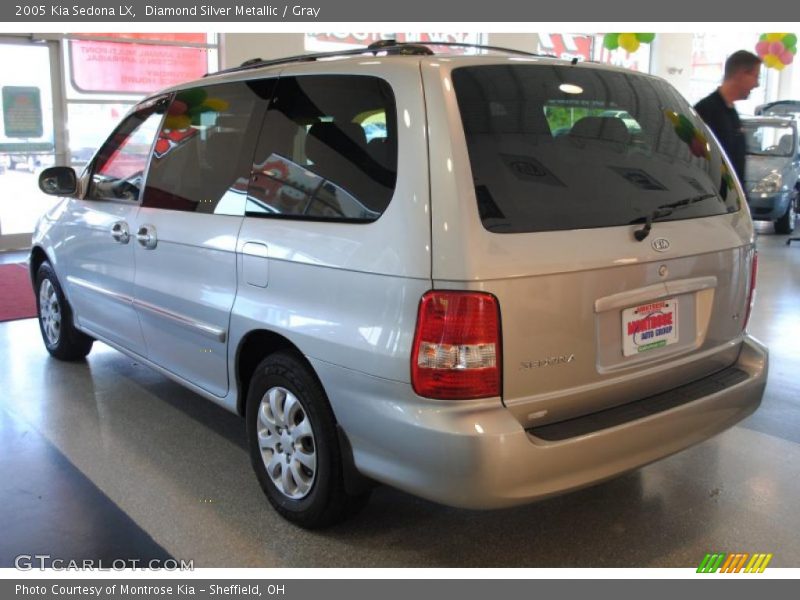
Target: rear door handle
[(146, 236), (120, 233)]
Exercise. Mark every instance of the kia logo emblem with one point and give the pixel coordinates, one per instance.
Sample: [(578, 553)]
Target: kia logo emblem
[(660, 245)]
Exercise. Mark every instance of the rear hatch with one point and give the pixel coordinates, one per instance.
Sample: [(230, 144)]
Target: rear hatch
[(596, 208)]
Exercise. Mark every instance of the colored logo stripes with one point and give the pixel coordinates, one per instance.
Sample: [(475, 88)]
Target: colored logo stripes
[(734, 563)]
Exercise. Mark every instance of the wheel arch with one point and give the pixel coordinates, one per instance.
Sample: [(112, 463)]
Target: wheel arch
[(254, 347), (38, 256)]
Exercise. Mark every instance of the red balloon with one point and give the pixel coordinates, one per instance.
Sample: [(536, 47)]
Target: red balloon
[(177, 108), (162, 146), (697, 147)]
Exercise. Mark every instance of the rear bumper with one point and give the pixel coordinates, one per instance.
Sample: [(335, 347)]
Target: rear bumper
[(475, 454)]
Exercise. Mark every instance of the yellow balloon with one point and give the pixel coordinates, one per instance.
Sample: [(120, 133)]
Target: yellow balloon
[(173, 122), (775, 37), (779, 65), (772, 61), (628, 41), (216, 104), (673, 117)]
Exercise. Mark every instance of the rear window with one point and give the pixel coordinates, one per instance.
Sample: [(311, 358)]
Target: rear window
[(566, 147)]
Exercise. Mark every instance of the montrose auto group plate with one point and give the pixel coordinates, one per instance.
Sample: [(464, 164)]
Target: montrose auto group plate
[(649, 326)]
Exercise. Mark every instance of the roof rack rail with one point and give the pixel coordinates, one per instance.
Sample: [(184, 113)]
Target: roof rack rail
[(388, 46)]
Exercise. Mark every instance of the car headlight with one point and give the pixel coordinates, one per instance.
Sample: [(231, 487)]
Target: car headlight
[(769, 185)]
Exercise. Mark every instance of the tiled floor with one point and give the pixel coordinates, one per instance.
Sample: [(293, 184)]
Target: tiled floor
[(171, 474)]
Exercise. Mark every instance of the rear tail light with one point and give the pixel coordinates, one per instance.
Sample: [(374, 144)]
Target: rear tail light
[(751, 295), (456, 352)]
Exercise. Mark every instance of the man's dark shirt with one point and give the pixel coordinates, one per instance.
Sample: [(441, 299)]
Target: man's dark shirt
[(724, 122)]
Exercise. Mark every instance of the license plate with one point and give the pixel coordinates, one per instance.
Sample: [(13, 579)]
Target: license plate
[(649, 326)]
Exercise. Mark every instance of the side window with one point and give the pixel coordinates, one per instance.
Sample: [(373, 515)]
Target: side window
[(327, 150), (121, 162), (204, 151)]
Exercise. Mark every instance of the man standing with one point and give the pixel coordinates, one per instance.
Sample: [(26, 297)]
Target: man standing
[(741, 77)]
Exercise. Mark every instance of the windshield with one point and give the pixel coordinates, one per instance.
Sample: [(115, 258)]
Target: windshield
[(570, 147), (769, 140)]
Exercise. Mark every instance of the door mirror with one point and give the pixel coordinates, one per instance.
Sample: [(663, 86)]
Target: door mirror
[(58, 181)]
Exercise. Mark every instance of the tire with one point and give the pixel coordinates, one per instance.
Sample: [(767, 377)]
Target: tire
[(62, 340), (289, 422), (785, 225)]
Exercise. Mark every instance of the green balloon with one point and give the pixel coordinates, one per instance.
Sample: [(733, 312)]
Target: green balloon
[(792, 49), (762, 37), (685, 134), (684, 122), (611, 41), (192, 97), (789, 39), (645, 38)]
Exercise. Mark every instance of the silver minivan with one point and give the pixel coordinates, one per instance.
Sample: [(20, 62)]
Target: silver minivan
[(464, 276)]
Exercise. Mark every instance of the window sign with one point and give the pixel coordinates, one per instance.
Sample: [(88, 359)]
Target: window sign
[(22, 112), (132, 68)]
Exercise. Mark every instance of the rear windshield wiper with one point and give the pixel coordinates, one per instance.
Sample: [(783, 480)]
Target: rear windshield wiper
[(664, 211)]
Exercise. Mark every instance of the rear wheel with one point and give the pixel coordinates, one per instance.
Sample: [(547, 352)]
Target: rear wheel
[(61, 338), (294, 445), (785, 225)]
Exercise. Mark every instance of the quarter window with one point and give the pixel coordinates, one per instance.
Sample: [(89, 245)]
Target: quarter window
[(327, 151)]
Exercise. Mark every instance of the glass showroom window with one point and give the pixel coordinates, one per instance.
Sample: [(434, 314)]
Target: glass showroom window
[(107, 73), (709, 52)]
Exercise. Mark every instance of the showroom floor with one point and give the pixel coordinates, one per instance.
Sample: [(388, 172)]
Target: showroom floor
[(108, 459)]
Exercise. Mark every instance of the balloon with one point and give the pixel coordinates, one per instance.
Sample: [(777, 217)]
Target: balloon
[(701, 137), (646, 38), (697, 148), (177, 122), (685, 122), (772, 61), (162, 146), (776, 48), (686, 133), (762, 48), (611, 41), (192, 97), (628, 41), (790, 39), (779, 65), (786, 57), (673, 117), (216, 104), (763, 37), (177, 108), (792, 48), (774, 37)]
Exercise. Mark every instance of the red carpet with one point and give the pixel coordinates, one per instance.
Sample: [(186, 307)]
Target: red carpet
[(16, 294)]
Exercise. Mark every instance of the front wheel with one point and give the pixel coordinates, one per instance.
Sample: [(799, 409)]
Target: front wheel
[(61, 338), (294, 445), (785, 225)]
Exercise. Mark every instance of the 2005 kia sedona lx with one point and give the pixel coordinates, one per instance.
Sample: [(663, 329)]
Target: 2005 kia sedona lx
[(480, 279)]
